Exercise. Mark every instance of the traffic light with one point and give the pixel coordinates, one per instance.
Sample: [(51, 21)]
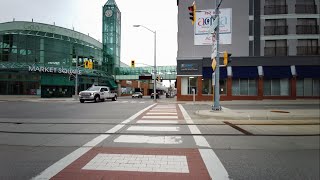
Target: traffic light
[(157, 78), (192, 12), (133, 64), (86, 64), (226, 58), (90, 64)]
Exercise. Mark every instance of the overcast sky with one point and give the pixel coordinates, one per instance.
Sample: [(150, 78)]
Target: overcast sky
[(86, 16)]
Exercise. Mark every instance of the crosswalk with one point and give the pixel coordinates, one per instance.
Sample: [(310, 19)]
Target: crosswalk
[(151, 147), (131, 102)]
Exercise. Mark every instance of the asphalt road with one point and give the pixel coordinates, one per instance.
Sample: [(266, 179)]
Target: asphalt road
[(72, 124)]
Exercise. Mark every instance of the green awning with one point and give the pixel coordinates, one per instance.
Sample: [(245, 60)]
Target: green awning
[(112, 84)]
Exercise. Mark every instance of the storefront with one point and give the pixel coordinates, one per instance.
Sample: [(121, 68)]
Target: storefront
[(250, 78)]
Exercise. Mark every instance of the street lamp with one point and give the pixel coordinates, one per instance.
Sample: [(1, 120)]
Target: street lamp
[(155, 60)]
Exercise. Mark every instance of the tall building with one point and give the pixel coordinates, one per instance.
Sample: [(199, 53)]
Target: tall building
[(111, 35), (274, 44)]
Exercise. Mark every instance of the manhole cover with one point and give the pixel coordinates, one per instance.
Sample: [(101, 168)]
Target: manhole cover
[(276, 111)]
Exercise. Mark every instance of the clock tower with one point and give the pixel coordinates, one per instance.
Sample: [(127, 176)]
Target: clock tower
[(111, 36)]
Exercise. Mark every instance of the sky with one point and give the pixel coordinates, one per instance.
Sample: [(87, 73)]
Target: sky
[(86, 17)]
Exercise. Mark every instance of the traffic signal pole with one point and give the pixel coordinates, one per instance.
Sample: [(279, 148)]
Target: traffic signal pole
[(216, 105), (76, 83)]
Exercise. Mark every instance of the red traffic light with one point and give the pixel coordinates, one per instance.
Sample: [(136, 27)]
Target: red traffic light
[(190, 8)]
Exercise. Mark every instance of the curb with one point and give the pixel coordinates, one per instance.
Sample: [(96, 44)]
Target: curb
[(237, 116)]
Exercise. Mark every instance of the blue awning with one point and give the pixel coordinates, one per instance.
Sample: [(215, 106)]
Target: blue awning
[(207, 72), (308, 71), (245, 72), (277, 72)]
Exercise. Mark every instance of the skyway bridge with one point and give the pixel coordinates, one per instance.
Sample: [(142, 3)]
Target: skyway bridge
[(128, 73)]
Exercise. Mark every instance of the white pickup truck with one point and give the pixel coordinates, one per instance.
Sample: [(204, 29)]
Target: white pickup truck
[(97, 93)]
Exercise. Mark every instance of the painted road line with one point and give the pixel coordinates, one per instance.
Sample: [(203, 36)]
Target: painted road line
[(212, 162), (157, 122), (162, 113), (140, 163), (70, 158), (149, 139), (152, 128), (159, 117)]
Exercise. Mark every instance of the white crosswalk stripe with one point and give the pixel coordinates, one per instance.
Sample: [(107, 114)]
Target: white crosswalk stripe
[(131, 102)]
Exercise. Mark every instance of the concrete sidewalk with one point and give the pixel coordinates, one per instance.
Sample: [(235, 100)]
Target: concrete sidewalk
[(264, 114)]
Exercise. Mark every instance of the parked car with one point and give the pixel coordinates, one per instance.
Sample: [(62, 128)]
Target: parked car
[(97, 93), (137, 95), (152, 96)]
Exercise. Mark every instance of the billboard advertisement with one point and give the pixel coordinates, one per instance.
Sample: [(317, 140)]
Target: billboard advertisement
[(205, 18)]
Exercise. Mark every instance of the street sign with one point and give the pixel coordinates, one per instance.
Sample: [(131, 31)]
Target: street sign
[(214, 64), (213, 78), (214, 24)]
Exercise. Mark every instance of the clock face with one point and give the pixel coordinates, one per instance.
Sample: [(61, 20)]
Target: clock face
[(108, 13)]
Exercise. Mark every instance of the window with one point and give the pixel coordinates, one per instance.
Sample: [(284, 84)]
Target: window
[(275, 27), (308, 47), (275, 48), (276, 87), (275, 7), (307, 26), (207, 88), (187, 84), (308, 87), (306, 7), (244, 87)]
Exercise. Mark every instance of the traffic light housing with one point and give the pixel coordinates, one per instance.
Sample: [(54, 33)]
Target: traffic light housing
[(90, 64), (192, 12), (226, 58), (86, 64), (133, 64)]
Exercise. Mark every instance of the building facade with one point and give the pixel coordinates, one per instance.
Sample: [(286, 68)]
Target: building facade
[(40, 59), (274, 45)]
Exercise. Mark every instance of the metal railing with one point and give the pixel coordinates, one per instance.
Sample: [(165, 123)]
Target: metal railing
[(275, 30), (307, 29), (276, 51), (275, 9), (308, 50), (306, 9)]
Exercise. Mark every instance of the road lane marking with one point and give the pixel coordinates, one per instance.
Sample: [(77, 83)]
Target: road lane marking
[(160, 117), (152, 128), (157, 121), (161, 113), (149, 139), (214, 166), (141, 163), (70, 158)]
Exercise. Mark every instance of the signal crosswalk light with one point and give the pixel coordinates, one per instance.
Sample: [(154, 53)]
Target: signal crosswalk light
[(192, 12), (133, 64)]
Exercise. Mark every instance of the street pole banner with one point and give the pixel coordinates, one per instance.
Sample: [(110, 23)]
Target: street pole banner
[(205, 19), (214, 45)]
